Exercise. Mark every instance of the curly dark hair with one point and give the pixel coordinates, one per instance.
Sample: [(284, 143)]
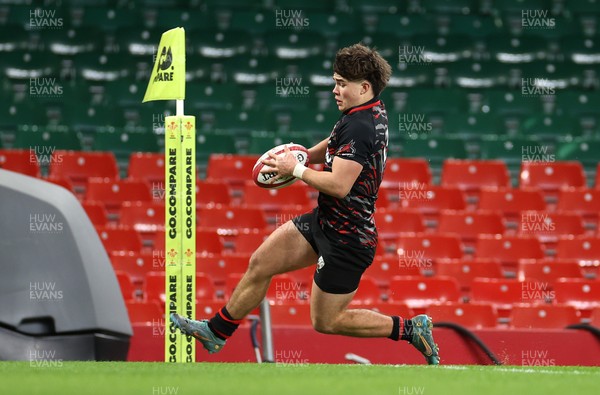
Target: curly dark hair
[(359, 62)]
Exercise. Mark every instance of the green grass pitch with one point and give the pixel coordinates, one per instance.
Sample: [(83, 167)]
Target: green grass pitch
[(130, 378)]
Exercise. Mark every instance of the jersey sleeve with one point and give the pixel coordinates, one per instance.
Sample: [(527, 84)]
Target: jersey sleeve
[(354, 141)]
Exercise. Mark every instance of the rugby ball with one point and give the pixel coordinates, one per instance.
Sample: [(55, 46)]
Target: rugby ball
[(266, 180)]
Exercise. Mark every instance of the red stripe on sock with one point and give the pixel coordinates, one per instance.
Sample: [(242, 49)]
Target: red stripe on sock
[(224, 336), (237, 322)]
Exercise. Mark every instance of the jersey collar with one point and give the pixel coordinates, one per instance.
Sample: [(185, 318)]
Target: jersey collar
[(365, 106)]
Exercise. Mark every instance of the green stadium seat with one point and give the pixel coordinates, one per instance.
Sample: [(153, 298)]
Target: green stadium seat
[(583, 150), (107, 18), (434, 149), (502, 102), (475, 26), (68, 42), (436, 49), (514, 6), (471, 74), (209, 43), (29, 136), (261, 142), (513, 151), (557, 75), (225, 96), (291, 44), (246, 70), (472, 126), (382, 7), (577, 102), (14, 38), (331, 24), (405, 25), (585, 7), (581, 50), (255, 22), (138, 42), (430, 100), (103, 67), (24, 65), (463, 7), (219, 142), (551, 127), (510, 49), (122, 144)]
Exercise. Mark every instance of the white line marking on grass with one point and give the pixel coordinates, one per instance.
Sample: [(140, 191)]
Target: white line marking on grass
[(567, 372)]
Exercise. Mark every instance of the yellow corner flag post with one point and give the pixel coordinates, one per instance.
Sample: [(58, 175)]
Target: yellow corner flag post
[(167, 82)]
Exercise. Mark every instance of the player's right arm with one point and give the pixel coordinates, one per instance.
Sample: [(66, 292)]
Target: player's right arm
[(316, 154)]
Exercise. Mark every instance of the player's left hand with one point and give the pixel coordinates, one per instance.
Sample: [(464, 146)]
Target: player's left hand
[(283, 164)]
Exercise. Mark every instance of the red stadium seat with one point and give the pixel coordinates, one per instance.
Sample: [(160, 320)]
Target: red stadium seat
[(384, 267), (141, 312), (595, 317), (149, 167), (465, 272), (210, 193), (391, 223), (469, 225), (581, 247), (218, 267), (470, 315), (420, 292), (501, 292), (548, 227), (232, 169), (78, 166), (422, 249), (548, 271), (508, 249), (284, 289), (583, 201), (114, 192), (432, 199), (404, 171), (20, 161), (291, 314), (273, 199), (304, 276), (368, 291), (231, 219), (96, 213), (136, 265), (119, 239), (511, 201), (552, 176), (65, 183), (583, 294), (126, 285), (473, 175), (544, 316), (144, 217), (387, 308), (248, 242), (205, 288)]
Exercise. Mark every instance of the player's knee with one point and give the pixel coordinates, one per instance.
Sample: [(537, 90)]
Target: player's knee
[(257, 266), (324, 325)]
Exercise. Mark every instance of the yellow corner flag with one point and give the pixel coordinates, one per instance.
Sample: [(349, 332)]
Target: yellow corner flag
[(167, 81)]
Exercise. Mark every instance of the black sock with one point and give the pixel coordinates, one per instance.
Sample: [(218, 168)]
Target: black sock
[(223, 325), (407, 330), (395, 329)]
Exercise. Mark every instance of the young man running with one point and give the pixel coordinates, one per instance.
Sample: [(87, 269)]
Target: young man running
[(339, 235)]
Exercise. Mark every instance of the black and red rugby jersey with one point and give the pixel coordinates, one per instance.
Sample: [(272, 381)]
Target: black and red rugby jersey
[(361, 135)]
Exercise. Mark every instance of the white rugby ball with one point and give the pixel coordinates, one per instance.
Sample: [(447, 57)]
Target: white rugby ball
[(266, 180)]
